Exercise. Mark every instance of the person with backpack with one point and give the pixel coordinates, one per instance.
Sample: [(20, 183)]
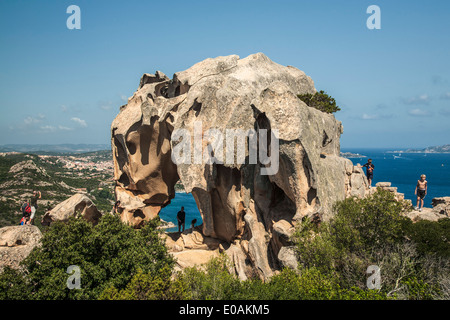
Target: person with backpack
[(26, 213)]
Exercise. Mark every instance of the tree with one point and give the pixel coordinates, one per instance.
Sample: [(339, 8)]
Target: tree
[(320, 100)]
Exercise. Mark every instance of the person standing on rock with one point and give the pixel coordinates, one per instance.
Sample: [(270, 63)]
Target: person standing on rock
[(181, 215), (369, 171), (421, 191), (34, 205), (116, 207)]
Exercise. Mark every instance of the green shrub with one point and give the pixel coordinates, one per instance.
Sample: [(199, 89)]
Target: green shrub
[(320, 100), (147, 286), (418, 289), (363, 224), (374, 231), (13, 285), (315, 246), (431, 236), (215, 282), (108, 255)]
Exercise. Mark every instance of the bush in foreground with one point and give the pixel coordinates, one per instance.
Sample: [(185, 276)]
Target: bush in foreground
[(412, 258), (108, 255)]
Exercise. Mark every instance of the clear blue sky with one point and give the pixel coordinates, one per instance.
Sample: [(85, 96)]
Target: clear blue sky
[(66, 86)]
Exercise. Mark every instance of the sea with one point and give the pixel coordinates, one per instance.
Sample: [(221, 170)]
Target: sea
[(401, 169), (181, 199), (404, 169)]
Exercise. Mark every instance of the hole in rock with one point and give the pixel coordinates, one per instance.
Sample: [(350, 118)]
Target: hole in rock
[(181, 199), (138, 214), (312, 194), (124, 180)]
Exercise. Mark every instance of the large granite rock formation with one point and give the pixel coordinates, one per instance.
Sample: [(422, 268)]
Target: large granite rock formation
[(78, 205), (16, 243), (176, 129)]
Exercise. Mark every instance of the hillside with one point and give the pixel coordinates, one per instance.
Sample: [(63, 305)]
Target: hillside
[(57, 176), (54, 148)]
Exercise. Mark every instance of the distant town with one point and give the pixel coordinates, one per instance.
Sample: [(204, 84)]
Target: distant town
[(82, 163), (57, 175)]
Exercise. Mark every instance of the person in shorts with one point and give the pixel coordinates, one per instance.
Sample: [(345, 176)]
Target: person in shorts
[(369, 171), (421, 191)]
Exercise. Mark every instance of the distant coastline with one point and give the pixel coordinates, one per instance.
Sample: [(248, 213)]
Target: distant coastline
[(434, 149)]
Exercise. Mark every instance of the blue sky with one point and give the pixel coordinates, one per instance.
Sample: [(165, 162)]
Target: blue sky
[(66, 86)]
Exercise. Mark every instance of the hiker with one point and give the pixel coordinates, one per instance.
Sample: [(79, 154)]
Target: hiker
[(369, 171), (34, 205), (193, 222), (116, 207), (181, 215), (421, 191), (26, 212), (34, 199)]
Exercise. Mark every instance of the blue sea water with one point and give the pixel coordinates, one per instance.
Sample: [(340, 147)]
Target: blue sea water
[(402, 171), (181, 199)]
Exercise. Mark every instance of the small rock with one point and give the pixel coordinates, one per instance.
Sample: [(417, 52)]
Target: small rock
[(383, 184)]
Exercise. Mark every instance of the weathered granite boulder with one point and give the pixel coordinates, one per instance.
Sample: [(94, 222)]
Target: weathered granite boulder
[(16, 243), (440, 209), (441, 205), (254, 156), (79, 205)]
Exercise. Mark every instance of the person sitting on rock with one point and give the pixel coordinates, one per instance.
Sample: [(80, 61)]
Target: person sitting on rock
[(421, 191), (181, 215), (193, 222), (369, 171)]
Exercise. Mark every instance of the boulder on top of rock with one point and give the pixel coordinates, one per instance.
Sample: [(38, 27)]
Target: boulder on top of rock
[(383, 184), (79, 205)]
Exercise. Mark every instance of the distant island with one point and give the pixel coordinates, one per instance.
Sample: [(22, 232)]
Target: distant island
[(434, 149), (352, 155)]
